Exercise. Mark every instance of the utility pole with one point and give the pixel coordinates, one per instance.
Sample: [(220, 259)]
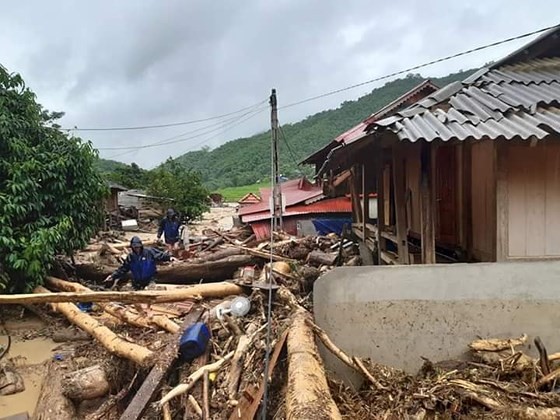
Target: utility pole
[(276, 190)]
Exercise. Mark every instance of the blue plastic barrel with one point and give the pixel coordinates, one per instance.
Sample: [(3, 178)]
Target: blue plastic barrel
[(194, 341)]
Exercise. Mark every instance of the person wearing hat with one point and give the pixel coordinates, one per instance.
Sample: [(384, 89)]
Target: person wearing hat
[(141, 263), (169, 227)]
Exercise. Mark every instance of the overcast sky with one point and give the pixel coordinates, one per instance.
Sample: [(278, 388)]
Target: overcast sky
[(133, 63)]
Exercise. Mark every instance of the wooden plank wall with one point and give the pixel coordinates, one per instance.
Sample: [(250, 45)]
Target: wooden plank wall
[(483, 200), (412, 159), (533, 200)]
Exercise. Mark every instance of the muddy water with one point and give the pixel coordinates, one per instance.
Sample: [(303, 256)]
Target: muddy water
[(28, 357)]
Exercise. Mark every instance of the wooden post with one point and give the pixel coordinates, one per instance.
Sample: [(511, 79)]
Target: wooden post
[(502, 234), (365, 195), (400, 203), (427, 206), (380, 203), (356, 207), (467, 199)]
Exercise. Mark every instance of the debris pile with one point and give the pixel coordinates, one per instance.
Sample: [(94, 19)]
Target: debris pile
[(200, 351)]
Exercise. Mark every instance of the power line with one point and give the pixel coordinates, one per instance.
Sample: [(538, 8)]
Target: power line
[(290, 151), (175, 139), (408, 70), (175, 124)]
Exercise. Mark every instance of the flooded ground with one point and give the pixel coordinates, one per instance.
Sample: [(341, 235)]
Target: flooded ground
[(27, 355)]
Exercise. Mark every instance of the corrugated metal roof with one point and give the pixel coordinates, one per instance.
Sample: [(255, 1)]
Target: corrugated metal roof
[(294, 191), (331, 205), (521, 100), (358, 131)]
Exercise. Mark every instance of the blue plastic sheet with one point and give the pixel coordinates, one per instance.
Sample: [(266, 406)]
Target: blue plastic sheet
[(326, 226)]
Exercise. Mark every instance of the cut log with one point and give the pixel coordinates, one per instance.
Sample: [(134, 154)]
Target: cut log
[(145, 296), (86, 384), (118, 311), (177, 273), (317, 258), (265, 255), (52, 404), (308, 394), (119, 246), (215, 256), (112, 342)]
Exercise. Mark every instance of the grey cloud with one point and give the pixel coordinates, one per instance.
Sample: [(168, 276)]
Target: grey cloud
[(152, 62)]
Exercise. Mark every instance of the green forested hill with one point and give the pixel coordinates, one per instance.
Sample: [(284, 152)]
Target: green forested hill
[(247, 160)]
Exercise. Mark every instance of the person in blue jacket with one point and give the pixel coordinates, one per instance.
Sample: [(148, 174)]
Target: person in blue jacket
[(169, 227), (141, 263)]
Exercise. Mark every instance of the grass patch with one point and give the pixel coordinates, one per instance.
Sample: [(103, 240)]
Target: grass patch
[(236, 193)]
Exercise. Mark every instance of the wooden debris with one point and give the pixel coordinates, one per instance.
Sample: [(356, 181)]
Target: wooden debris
[(308, 394), (206, 396), (86, 384), (196, 407), (317, 258), (237, 360), (145, 394), (497, 344), (112, 342), (183, 388)]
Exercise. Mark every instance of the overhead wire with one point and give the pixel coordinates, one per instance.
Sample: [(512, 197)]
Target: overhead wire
[(410, 69), (174, 124), (178, 139)]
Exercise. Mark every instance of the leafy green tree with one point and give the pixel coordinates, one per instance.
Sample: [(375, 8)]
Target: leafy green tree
[(50, 190), (131, 176), (182, 186)]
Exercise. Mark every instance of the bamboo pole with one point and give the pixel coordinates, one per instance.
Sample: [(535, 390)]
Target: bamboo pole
[(112, 342), (145, 296)]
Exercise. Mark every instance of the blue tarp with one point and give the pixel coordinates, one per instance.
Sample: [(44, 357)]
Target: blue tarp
[(326, 226)]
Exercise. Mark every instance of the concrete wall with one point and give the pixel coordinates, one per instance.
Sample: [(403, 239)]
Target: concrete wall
[(396, 314)]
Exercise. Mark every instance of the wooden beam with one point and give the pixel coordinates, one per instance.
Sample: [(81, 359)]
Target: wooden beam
[(353, 185), (502, 234), (380, 203), (399, 198), (145, 394), (365, 196), (427, 206)]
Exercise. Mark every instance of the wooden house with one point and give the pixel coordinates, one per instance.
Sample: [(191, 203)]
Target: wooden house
[(470, 172), (111, 202)]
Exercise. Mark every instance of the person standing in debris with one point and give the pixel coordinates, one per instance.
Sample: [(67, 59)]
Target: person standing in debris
[(141, 263), (169, 226)]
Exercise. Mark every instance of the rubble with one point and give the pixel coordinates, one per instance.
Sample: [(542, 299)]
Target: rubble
[(137, 355)]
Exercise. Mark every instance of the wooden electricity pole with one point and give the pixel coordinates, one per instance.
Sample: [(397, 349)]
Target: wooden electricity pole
[(276, 190)]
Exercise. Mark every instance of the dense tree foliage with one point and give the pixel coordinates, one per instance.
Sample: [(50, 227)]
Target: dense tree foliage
[(130, 176), (50, 190), (247, 160), (182, 186)]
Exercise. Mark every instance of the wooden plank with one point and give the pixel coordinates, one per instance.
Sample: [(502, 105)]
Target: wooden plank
[(399, 199), (535, 193), (388, 258), (427, 206), (365, 198), (354, 195), (502, 251), (387, 195), (145, 394), (251, 398)]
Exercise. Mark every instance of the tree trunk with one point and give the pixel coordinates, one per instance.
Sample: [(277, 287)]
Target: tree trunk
[(318, 258), (52, 404), (86, 384), (42, 295), (178, 273), (112, 342), (118, 311), (120, 246), (308, 395)]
